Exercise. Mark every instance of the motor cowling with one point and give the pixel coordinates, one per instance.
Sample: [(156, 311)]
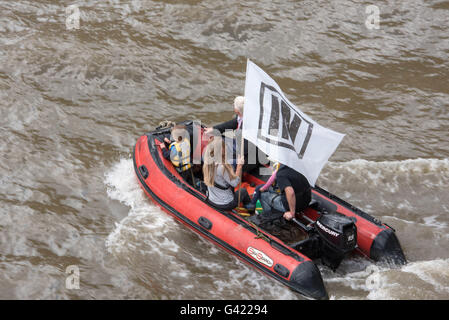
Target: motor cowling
[(338, 235)]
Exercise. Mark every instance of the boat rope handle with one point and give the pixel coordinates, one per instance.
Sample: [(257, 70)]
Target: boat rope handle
[(259, 235)]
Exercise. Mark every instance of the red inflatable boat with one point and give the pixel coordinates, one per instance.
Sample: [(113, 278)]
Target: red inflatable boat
[(333, 227)]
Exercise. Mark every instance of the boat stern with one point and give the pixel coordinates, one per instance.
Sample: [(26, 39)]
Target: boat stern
[(386, 248), (307, 279)]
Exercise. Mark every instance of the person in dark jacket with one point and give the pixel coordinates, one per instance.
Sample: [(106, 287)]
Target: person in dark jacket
[(236, 125)]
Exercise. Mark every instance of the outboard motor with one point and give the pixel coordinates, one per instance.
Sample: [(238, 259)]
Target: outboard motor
[(338, 236)]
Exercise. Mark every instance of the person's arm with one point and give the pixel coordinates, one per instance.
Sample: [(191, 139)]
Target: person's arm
[(238, 172), (269, 182), (240, 163), (291, 199), (233, 182), (165, 151), (228, 125)]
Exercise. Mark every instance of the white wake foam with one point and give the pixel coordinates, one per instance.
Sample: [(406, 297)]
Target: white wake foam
[(153, 245), (415, 280), (122, 185), (432, 172), (185, 266)]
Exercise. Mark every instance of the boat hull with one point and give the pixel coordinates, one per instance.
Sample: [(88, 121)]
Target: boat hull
[(226, 229), (238, 236)]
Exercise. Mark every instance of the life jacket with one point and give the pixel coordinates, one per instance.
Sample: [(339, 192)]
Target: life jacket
[(180, 155)]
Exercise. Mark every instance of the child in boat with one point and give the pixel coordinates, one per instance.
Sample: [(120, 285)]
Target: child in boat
[(220, 177), (178, 151)]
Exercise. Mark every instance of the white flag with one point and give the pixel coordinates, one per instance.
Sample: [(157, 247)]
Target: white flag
[(281, 130)]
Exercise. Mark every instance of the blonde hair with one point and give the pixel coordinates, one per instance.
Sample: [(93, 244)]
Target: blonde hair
[(179, 132), (214, 155), (239, 102)]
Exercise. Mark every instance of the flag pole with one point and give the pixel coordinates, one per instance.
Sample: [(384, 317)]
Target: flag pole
[(242, 146), (241, 172)]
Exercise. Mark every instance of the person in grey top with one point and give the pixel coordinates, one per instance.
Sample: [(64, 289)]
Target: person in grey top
[(221, 179)]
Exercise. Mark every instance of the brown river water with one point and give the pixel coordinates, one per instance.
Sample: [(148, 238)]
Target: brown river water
[(75, 98)]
